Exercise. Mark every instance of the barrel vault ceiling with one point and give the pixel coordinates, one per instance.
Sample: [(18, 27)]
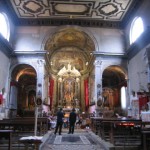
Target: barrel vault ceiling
[(91, 13)]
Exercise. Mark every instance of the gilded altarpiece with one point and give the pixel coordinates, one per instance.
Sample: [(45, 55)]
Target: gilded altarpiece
[(69, 93)]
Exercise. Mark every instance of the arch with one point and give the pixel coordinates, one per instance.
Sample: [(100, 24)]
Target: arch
[(113, 78), (115, 74), (24, 63), (22, 87), (19, 68)]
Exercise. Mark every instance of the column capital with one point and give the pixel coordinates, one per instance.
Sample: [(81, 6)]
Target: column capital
[(97, 62), (40, 62)]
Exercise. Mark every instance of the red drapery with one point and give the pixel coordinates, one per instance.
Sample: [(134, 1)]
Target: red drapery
[(86, 94), (143, 99), (51, 89), (1, 99)]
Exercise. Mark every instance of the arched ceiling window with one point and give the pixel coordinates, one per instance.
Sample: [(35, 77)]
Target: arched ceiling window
[(136, 29), (4, 26)]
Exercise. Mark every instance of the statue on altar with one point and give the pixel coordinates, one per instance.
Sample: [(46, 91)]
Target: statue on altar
[(68, 91)]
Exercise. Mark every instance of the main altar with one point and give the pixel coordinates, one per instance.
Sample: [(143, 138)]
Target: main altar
[(69, 88)]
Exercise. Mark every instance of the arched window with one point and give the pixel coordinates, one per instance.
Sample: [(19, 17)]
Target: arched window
[(136, 29), (4, 26)]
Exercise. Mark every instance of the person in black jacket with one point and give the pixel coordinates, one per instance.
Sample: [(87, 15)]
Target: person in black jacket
[(60, 116), (72, 120)]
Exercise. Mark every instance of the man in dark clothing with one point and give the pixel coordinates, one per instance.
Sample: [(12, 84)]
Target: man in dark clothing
[(59, 124), (72, 120)]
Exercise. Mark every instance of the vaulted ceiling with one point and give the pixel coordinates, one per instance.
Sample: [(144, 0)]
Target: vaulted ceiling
[(91, 13)]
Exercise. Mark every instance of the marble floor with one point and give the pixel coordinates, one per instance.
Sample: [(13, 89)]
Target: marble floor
[(80, 140)]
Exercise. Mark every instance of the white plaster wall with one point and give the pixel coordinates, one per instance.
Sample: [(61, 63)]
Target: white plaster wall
[(109, 40), (137, 66), (31, 38), (138, 72), (4, 70)]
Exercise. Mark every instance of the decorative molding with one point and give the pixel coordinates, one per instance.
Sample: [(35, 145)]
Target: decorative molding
[(96, 9)]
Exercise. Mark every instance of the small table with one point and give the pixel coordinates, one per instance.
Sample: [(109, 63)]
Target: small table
[(36, 140), (9, 134)]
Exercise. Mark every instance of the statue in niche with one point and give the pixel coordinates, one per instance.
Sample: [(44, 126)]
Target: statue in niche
[(105, 100), (31, 103)]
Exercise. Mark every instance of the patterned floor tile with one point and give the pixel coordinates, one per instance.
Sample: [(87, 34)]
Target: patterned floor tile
[(77, 141)]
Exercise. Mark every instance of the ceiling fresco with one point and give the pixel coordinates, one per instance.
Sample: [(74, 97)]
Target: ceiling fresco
[(70, 37), (77, 12), (69, 46)]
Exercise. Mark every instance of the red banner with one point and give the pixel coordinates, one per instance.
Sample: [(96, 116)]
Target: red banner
[(86, 94), (51, 90)]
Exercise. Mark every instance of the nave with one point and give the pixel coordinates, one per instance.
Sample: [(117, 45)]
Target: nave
[(80, 140)]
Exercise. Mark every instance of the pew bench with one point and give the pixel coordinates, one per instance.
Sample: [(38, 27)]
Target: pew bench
[(7, 134), (25, 124)]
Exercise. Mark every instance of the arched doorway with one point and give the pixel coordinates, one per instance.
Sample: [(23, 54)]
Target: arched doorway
[(113, 79), (23, 89), (70, 52)]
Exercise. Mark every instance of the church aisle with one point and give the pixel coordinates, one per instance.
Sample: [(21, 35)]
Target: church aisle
[(80, 140)]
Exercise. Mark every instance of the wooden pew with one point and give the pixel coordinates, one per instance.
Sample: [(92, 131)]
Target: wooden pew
[(25, 124), (7, 134), (118, 131)]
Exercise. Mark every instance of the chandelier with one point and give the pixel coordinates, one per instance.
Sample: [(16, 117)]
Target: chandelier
[(69, 72)]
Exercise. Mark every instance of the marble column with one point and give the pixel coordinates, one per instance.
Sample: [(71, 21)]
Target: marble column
[(40, 78), (98, 83)]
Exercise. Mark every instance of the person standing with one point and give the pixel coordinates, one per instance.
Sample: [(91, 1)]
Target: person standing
[(60, 116), (72, 120)]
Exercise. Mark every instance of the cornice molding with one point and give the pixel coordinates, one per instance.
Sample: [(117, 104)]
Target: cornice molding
[(110, 54), (17, 53), (61, 22), (139, 44)]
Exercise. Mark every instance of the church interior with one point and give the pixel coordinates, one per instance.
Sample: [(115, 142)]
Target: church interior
[(89, 55)]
